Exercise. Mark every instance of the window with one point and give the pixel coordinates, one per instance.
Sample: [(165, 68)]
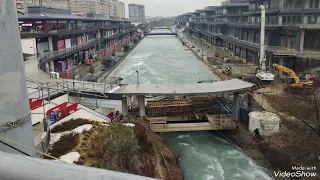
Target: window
[(312, 19), (284, 20), (298, 4)]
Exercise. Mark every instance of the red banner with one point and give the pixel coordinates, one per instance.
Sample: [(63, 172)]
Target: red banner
[(89, 61), (68, 75), (58, 108), (35, 103), (111, 115), (66, 111)]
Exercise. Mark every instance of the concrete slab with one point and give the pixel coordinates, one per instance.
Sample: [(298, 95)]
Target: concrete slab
[(228, 86)]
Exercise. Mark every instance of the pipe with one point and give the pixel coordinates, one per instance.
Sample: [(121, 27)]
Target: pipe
[(262, 39), (28, 168), (15, 118)]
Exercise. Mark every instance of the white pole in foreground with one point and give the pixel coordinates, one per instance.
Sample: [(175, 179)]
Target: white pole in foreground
[(15, 119)]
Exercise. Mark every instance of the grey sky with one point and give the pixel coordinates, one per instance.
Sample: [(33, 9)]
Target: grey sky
[(171, 7)]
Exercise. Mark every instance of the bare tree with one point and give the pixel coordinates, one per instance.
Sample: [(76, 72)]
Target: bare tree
[(304, 107)]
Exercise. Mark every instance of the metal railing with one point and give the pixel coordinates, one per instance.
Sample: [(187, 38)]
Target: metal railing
[(44, 144), (47, 56), (48, 89)]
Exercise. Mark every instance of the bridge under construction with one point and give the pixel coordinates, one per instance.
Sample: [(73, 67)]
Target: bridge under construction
[(189, 107)]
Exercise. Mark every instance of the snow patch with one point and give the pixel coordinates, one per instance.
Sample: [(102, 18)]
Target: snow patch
[(70, 157), (129, 124), (82, 128), (56, 136)]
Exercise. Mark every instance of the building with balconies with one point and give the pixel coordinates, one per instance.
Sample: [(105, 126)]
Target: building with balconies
[(61, 40), (292, 30)]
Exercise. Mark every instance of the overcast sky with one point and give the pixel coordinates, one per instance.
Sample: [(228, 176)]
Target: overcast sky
[(171, 7)]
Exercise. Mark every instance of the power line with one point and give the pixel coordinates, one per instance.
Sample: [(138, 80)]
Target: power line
[(14, 148), (44, 154)]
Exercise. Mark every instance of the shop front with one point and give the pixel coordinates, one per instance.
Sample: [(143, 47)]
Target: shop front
[(31, 26)]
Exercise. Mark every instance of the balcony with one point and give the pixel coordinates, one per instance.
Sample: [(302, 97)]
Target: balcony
[(50, 56), (41, 33), (113, 36)]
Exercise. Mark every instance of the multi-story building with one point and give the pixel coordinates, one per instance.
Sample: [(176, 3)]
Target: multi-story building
[(118, 9), (22, 5), (61, 4), (82, 7), (62, 40), (136, 13), (292, 30), (121, 10)]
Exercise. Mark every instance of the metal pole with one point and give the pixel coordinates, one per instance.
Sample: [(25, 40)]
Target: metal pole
[(48, 92), (138, 77), (96, 99), (44, 111), (14, 109), (262, 37)]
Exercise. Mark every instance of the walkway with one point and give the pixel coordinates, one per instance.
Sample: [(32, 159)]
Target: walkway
[(36, 79)]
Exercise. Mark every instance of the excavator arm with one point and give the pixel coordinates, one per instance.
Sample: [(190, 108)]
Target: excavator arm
[(286, 70)]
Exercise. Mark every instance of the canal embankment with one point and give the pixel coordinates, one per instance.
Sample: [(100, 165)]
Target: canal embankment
[(202, 56), (102, 77)]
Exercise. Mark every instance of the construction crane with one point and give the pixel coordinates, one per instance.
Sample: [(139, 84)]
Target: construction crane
[(261, 72), (294, 82)]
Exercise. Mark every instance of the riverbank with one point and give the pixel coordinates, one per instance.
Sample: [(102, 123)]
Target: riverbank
[(123, 147), (202, 56), (109, 73)]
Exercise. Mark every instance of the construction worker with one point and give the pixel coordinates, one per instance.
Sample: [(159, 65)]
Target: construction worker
[(257, 135)]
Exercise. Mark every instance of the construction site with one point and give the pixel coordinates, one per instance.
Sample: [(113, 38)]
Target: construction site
[(292, 97)]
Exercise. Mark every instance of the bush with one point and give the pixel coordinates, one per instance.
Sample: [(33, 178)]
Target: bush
[(79, 162), (85, 138), (83, 155), (91, 154), (65, 145), (70, 125), (116, 148), (144, 143)]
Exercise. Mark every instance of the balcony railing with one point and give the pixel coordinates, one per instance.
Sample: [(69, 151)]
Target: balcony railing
[(48, 56), (69, 30)]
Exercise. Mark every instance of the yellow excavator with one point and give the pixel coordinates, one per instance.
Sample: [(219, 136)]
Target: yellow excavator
[(295, 85), (227, 71)]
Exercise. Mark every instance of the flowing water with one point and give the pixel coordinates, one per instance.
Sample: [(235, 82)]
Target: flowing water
[(206, 155)]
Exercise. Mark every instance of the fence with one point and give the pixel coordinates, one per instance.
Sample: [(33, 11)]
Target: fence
[(44, 144)]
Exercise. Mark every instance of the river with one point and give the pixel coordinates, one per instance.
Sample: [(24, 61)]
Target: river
[(206, 155)]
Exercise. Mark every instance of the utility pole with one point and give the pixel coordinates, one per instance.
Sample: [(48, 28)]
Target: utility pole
[(15, 117)]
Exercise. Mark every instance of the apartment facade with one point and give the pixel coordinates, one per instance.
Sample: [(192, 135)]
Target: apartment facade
[(82, 7), (61, 4), (136, 13), (118, 9), (22, 5), (292, 34)]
